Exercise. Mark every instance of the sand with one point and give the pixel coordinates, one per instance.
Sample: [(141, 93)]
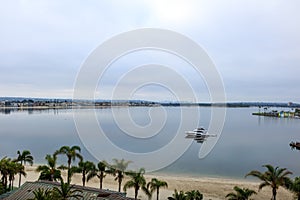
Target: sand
[(211, 188)]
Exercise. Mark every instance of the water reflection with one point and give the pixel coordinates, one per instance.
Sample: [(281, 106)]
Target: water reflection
[(29, 111)]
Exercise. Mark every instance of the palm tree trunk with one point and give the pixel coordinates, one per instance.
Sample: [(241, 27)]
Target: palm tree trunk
[(68, 177), (136, 193), (101, 180), (12, 183), (274, 193), (20, 175), (120, 182), (83, 180), (157, 193), (5, 182), (69, 171)]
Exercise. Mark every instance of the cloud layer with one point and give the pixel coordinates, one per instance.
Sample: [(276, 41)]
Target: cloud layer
[(254, 44)]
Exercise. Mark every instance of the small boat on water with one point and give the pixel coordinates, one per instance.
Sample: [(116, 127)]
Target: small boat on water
[(295, 145), (196, 130), (198, 134)]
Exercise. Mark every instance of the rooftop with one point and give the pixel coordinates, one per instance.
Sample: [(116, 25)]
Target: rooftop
[(26, 192)]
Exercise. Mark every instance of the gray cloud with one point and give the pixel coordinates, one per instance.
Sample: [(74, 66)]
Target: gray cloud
[(255, 44)]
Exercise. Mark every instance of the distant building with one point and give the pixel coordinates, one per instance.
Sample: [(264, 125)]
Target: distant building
[(7, 103)]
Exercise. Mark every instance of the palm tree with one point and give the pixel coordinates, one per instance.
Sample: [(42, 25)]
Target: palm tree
[(137, 181), (41, 194), (155, 184), (84, 168), (9, 168), (14, 169), (99, 172), (49, 172), (24, 156), (194, 195), (72, 153), (66, 192), (118, 170), (4, 169), (273, 177), (240, 194), (295, 187), (178, 196)]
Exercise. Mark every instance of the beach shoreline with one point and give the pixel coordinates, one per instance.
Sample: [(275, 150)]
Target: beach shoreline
[(214, 188)]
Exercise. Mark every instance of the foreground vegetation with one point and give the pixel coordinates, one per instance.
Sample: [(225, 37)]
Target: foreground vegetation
[(273, 177), (88, 170), (64, 192)]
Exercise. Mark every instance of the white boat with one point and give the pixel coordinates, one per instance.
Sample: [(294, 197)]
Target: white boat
[(196, 130), (198, 134), (201, 129)]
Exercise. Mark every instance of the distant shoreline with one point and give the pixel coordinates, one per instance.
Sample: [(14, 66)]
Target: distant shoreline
[(8, 104), (235, 105)]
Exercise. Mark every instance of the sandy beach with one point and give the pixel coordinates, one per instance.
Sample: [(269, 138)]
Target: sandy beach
[(211, 188)]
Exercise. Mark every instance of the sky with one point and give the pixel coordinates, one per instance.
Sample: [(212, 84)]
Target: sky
[(255, 46)]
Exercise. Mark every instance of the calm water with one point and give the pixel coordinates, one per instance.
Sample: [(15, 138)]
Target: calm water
[(246, 143)]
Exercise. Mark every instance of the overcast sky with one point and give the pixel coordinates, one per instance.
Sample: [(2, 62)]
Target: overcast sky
[(255, 45)]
